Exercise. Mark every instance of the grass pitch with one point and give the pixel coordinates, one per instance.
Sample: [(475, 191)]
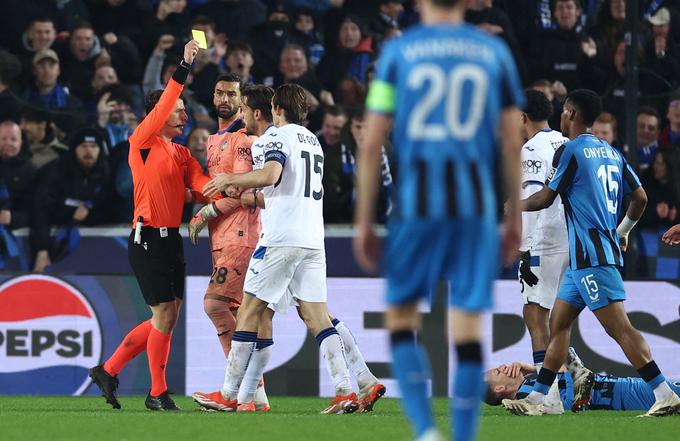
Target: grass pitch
[(296, 418)]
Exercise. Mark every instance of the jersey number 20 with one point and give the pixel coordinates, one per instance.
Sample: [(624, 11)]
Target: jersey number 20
[(451, 91)]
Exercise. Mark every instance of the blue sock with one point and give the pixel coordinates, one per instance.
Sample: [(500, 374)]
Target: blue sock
[(467, 392), (410, 367), (539, 356)]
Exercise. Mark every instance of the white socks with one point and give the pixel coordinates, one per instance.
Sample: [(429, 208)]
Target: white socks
[(663, 391), (258, 362), (355, 360), (239, 356), (330, 346)]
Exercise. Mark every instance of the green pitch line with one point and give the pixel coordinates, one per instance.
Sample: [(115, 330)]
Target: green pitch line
[(296, 418)]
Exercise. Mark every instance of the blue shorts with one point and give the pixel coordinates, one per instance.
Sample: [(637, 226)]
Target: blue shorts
[(594, 287), (420, 254)]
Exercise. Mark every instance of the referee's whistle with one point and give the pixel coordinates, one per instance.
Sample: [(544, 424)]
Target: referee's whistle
[(138, 230)]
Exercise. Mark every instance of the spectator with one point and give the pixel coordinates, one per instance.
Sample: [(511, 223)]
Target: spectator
[(662, 55), (385, 19), (48, 93), (305, 34), (239, 61), (606, 128), (121, 52), (268, 40), (18, 172), (671, 133), (113, 109), (235, 18), (494, 21), (104, 76), (197, 144), (648, 120), (44, 146), (170, 18), (121, 17), (71, 191), (334, 119), (662, 184), (10, 68), (610, 26), (294, 68), (567, 53), (40, 34), (79, 58), (350, 59)]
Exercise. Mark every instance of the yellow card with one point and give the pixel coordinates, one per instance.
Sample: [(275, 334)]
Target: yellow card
[(200, 37)]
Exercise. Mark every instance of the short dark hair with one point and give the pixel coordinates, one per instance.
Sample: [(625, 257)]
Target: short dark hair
[(587, 103), (445, 3), (82, 25), (202, 20), (229, 78), (293, 100), (34, 114), (491, 397), (357, 112), (259, 97), (538, 107), (648, 110), (334, 110), (555, 2), (238, 45), (152, 99), (118, 92)]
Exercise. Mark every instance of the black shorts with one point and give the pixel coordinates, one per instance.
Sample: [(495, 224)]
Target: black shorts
[(158, 264)]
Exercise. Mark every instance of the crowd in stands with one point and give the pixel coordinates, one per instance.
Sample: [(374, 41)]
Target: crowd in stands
[(73, 75)]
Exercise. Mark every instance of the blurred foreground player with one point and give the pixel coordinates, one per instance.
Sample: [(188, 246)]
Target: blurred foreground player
[(451, 90), (592, 178), (161, 171)]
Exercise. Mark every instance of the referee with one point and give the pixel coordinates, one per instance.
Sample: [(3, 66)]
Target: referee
[(161, 171)]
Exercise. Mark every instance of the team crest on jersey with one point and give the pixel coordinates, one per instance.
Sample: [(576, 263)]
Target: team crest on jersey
[(243, 153)]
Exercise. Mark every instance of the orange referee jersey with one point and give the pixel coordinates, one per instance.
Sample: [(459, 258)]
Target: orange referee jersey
[(160, 180)]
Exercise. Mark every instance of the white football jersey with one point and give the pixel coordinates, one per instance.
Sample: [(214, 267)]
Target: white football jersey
[(543, 232), (294, 206)]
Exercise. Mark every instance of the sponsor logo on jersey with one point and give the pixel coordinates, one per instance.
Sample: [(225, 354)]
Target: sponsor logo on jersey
[(49, 337), (532, 166)]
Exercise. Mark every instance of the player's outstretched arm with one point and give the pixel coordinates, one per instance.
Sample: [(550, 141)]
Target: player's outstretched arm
[(638, 202), (539, 200), (264, 177)]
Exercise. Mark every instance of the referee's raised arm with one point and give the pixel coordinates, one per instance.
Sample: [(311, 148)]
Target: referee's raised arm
[(161, 171)]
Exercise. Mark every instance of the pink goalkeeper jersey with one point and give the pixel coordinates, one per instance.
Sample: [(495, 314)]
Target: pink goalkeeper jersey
[(230, 153)]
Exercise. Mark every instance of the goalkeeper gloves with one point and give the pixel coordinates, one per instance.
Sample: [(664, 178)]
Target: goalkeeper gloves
[(525, 274), (200, 220)]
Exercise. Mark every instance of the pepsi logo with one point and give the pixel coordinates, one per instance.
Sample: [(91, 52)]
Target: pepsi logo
[(49, 337)]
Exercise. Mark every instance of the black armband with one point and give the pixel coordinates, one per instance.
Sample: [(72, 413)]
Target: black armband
[(182, 72)]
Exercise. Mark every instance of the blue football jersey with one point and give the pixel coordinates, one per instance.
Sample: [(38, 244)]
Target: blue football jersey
[(592, 177), (445, 87)]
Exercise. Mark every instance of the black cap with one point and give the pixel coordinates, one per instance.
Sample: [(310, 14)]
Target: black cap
[(87, 134)]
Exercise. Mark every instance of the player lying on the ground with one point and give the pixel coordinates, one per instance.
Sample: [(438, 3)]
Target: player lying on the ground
[(580, 388)]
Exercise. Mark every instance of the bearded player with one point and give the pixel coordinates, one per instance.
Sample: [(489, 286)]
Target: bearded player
[(234, 229)]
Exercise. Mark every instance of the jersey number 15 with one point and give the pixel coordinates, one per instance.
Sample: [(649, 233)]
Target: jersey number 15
[(318, 170)]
